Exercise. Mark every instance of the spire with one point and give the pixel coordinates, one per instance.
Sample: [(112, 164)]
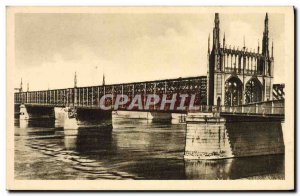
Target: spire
[(103, 81), (224, 40), (21, 86), (244, 42), (216, 32), (27, 87), (258, 46), (217, 21), (75, 80), (266, 23), (265, 41)]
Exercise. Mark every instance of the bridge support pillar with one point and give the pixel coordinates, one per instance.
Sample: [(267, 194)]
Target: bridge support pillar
[(23, 113), (206, 137), (59, 113), (211, 136), (70, 118)]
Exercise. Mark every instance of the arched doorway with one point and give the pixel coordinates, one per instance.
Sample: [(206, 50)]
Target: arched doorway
[(233, 92), (253, 91)]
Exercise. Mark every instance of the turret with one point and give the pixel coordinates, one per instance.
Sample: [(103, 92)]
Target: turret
[(103, 80), (216, 32)]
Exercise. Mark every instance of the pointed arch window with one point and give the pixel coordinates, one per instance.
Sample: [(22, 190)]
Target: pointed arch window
[(253, 91), (233, 92)]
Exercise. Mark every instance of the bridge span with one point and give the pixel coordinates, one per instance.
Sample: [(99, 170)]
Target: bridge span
[(90, 97)]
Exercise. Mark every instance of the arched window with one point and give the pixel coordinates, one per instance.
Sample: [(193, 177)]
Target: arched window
[(233, 92), (253, 91)]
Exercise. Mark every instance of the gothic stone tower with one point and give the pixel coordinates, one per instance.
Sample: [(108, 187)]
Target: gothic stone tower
[(238, 76)]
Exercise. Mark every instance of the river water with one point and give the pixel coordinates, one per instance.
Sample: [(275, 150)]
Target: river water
[(132, 149)]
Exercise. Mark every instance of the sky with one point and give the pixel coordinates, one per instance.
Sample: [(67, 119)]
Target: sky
[(50, 48)]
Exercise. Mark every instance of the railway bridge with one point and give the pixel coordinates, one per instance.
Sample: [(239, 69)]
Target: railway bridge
[(237, 94)]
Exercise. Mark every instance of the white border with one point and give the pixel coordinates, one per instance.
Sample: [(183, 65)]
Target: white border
[(5, 3)]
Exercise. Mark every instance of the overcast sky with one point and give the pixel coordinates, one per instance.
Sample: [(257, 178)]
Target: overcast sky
[(129, 47)]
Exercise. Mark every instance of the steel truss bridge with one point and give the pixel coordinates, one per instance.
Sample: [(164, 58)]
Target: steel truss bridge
[(89, 97)]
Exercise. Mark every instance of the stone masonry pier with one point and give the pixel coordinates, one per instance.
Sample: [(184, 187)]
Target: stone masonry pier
[(211, 136)]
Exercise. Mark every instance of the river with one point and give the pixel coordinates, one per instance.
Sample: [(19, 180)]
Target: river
[(132, 149)]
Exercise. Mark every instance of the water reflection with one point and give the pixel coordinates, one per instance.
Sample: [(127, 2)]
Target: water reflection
[(43, 123), (23, 124), (129, 149), (234, 168), (88, 141)]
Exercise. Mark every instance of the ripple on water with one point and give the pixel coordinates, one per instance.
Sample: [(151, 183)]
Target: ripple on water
[(83, 160), (91, 168)]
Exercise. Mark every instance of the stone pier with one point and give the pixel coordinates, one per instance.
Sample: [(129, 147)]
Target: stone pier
[(211, 136), (65, 117), (59, 117), (23, 113)]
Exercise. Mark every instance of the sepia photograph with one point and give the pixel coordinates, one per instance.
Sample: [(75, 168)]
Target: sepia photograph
[(150, 98)]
